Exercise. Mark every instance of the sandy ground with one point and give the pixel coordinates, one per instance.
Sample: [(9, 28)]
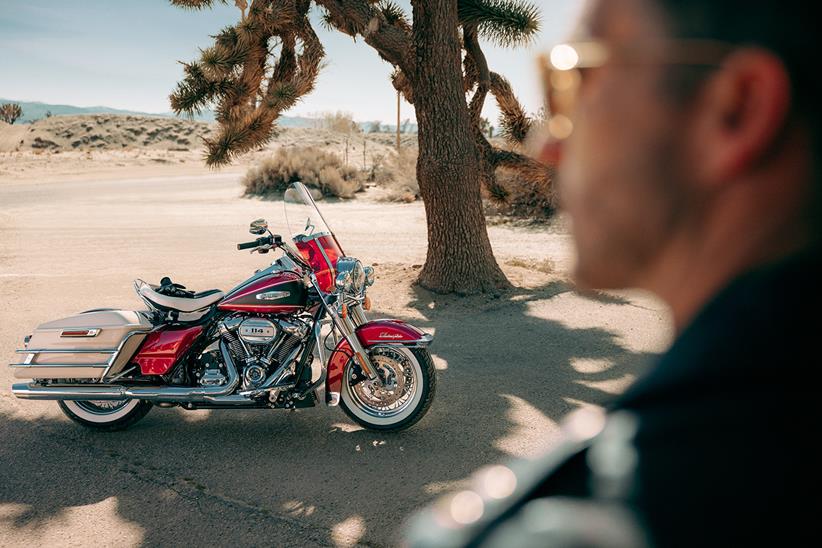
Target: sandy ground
[(509, 369)]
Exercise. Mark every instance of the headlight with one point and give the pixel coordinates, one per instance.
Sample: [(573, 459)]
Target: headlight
[(350, 275)]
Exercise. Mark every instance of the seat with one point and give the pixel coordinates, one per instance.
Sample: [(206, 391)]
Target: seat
[(195, 302)]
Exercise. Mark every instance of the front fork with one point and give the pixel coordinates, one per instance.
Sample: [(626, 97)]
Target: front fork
[(347, 324)]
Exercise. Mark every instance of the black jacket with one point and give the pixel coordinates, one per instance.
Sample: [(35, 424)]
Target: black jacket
[(715, 446)]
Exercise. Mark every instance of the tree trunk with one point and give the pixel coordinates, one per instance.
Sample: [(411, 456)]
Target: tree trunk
[(460, 258)]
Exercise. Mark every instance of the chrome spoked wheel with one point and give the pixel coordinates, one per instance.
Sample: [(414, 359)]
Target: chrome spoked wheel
[(400, 379), (105, 414), (101, 411), (400, 399)]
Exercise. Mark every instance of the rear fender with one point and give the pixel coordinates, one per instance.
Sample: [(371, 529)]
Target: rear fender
[(377, 332)]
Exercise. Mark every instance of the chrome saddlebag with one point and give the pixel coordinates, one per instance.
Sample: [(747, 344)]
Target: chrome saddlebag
[(90, 345)]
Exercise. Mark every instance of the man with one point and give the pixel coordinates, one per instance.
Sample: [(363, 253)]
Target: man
[(688, 134)]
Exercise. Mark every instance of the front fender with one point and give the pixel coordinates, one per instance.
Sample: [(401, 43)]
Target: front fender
[(370, 334)]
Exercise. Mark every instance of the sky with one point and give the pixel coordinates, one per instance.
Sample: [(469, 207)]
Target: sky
[(124, 53)]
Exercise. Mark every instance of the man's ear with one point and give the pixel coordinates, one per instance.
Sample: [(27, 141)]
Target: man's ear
[(740, 112)]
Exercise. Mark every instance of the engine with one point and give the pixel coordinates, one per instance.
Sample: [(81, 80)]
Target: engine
[(263, 349)]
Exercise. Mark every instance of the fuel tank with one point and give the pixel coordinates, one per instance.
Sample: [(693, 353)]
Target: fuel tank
[(277, 292)]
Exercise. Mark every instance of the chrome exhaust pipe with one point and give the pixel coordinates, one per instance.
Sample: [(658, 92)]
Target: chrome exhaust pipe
[(175, 394)]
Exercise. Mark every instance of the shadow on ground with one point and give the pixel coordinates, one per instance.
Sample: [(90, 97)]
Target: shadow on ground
[(311, 477)]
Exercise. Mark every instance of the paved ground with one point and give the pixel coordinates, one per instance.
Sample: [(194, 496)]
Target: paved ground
[(509, 369)]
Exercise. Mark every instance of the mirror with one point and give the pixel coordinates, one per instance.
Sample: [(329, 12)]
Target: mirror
[(259, 226)]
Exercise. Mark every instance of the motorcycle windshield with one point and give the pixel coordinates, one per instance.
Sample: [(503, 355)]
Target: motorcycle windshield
[(311, 234)]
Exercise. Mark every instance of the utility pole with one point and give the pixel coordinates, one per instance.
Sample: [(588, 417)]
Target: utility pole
[(398, 123)]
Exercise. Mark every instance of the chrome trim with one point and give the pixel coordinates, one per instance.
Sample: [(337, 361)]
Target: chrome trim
[(272, 295), (423, 341), (66, 351), (174, 394), (25, 365), (319, 343), (258, 330), (106, 367), (270, 382), (119, 349), (358, 314), (123, 373), (347, 330), (350, 277)]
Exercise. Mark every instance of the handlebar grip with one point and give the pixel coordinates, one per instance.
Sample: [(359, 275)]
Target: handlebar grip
[(264, 240)]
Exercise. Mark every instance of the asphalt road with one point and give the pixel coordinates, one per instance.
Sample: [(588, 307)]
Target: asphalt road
[(509, 370)]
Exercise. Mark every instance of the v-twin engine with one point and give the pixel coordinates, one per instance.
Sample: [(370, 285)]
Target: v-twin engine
[(263, 349)]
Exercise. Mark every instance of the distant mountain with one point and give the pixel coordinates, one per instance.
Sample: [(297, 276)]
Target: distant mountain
[(33, 110)]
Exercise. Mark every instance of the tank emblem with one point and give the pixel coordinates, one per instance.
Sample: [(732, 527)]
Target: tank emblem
[(272, 295)]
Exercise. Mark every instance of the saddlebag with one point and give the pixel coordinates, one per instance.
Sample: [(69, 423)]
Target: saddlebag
[(90, 345)]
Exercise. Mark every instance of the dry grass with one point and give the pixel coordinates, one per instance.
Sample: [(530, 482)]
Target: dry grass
[(314, 167), (396, 175)]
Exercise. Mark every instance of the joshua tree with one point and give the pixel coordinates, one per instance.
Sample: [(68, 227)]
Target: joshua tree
[(264, 64), (486, 127), (10, 112)]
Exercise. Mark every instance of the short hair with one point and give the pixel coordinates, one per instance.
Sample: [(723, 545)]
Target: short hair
[(784, 27), (788, 29)]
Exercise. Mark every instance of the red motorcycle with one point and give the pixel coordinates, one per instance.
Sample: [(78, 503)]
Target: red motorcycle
[(252, 347)]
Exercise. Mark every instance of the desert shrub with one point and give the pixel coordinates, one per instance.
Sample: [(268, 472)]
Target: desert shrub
[(340, 122), (313, 167), (396, 175)]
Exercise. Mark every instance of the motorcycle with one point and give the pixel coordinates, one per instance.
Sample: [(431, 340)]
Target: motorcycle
[(253, 347)]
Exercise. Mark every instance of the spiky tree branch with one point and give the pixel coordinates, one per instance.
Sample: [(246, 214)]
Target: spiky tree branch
[(231, 74), (382, 25), (195, 4), (516, 124), (506, 22), (249, 90)]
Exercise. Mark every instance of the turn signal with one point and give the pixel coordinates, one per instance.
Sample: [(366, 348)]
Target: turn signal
[(344, 311), (366, 303)]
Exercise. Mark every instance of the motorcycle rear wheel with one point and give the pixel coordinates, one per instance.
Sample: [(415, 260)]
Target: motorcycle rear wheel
[(409, 385), (106, 416)]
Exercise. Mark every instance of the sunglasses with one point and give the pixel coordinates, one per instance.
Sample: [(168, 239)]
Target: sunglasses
[(561, 71)]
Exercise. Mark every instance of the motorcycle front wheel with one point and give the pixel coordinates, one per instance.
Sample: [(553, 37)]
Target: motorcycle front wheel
[(105, 415), (404, 396)]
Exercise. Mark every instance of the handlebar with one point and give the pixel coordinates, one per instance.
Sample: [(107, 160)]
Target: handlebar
[(274, 239), (256, 243)]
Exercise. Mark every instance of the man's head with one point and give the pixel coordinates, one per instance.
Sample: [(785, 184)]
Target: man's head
[(698, 129)]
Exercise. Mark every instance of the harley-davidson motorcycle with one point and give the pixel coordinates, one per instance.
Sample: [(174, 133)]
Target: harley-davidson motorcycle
[(252, 347)]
